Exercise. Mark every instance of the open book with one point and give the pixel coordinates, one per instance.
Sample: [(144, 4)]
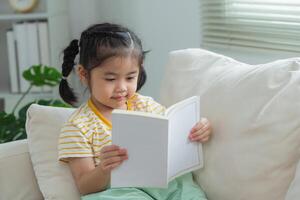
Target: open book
[(158, 146)]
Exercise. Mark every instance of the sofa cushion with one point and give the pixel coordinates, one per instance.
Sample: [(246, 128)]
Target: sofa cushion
[(255, 114), (17, 180), (43, 128), (294, 189)]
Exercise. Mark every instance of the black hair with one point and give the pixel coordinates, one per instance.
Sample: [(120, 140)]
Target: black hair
[(98, 43)]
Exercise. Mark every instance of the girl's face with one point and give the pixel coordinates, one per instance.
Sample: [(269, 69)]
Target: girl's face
[(114, 82)]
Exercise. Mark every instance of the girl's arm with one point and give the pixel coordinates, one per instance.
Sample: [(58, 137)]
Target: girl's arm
[(90, 178)]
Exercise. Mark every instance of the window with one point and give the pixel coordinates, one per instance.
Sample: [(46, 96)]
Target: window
[(268, 24)]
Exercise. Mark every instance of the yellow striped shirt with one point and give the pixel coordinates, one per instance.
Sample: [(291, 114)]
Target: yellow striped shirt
[(87, 130)]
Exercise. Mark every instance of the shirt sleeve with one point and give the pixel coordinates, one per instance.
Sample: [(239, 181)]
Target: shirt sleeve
[(154, 107), (73, 143)]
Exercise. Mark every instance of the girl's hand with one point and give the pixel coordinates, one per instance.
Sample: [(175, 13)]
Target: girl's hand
[(111, 156), (201, 131)]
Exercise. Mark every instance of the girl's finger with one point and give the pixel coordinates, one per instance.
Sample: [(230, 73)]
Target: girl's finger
[(204, 134), (199, 132), (114, 165), (197, 126), (197, 137), (112, 160), (120, 152), (111, 166), (204, 129), (109, 148), (202, 124)]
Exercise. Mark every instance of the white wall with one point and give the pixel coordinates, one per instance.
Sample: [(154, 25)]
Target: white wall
[(162, 25), (82, 13)]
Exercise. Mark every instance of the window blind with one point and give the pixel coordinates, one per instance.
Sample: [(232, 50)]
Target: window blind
[(268, 24)]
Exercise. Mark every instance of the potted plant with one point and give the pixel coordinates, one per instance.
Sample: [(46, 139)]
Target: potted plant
[(12, 125)]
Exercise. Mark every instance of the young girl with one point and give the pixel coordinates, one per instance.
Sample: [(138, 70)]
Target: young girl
[(111, 66)]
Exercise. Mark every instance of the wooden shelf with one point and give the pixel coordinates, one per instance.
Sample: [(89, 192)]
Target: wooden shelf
[(33, 16)]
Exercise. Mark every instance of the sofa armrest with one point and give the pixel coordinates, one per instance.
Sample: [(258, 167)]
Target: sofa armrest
[(17, 179)]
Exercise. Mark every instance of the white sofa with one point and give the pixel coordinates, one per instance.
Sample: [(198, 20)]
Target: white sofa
[(253, 153)]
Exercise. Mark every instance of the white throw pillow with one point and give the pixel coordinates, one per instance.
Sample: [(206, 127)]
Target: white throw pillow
[(43, 128), (255, 114), (17, 180), (294, 189)]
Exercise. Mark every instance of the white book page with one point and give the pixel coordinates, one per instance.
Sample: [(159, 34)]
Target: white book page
[(184, 156), (145, 139)]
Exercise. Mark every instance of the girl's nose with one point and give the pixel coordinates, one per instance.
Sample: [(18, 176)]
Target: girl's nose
[(121, 87), (121, 90)]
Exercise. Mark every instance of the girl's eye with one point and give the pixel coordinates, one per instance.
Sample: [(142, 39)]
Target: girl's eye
[(130, 78), (110, 79)]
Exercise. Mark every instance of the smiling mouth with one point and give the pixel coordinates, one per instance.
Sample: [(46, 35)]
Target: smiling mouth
[(120, 98)]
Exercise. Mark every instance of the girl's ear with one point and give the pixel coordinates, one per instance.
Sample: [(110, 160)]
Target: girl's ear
[(83, 75)]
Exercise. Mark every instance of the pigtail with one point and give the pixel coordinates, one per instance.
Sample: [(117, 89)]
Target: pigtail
[(65, 91), (142, 78), (142, 75)]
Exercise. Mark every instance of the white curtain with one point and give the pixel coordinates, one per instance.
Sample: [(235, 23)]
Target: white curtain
[(268, 24)]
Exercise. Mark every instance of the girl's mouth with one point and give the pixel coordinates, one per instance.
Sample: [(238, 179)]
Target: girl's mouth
[(120, 98)]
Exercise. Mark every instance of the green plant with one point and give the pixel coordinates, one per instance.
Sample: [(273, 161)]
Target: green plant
[(12, 126)]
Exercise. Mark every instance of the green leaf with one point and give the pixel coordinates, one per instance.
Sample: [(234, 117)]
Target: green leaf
[(6, 118), (13, 128), (41, 75)]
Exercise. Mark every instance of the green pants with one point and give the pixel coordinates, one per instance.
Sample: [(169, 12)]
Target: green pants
[(181, 188)]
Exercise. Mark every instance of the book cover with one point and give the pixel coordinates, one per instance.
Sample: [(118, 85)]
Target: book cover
[(44, 47), (20, 31), (159, 149), (33, 48), (12, 62)]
